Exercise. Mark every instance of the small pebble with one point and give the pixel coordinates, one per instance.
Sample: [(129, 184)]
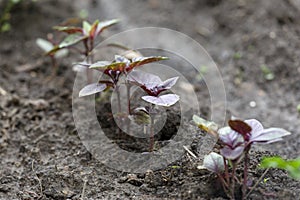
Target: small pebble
[(252, 104)]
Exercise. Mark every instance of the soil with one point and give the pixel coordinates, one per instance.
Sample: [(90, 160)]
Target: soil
[(42, 156)]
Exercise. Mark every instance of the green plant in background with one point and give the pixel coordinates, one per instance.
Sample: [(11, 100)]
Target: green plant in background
[(237, 55), (6, 15), (291, 166), (237, 139), (268, 74), (48, 45), (298, 108)]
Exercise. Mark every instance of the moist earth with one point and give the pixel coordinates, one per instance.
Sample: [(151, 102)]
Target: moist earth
[(42, 156)]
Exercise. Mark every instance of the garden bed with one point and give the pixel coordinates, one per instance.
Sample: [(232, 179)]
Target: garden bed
[(42, 156)]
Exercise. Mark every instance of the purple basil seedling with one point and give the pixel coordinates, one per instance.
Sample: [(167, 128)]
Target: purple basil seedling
[(237, 140), (113, 70), (154, 86), (86, 34)]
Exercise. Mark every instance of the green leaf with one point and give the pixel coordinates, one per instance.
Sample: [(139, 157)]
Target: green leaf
[(105, 24), (105, 65), (44, 44), (138, 61), (93, 29), (291, 166), (268, 74), (61, 53), (68, 29), (86, 27), (71, 40), (5, 27)]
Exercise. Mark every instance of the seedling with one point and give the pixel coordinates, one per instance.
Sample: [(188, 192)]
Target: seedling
[(150, 83), (291, 166), (48, 45), (268, 74), (154, 86), (86, 34), (237, 140), (114, 70), (6, 15), (237, 55)]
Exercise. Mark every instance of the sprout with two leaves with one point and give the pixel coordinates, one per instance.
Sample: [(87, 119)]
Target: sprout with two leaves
[(237, 140)]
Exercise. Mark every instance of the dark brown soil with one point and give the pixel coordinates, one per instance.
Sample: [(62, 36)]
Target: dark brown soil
[(42, 156)]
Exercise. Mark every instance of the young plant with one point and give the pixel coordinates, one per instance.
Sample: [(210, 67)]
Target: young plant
[(114, 70), (291, 166), (237, 140), (86, 34), (154, 86), (48, 45), (6, 15)]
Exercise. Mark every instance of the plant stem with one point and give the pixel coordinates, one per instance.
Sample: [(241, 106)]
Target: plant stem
[(244, 188), (91, 50), (224, 185), (119, 98), (226, 171), (151, 134), (128, 97), (233, 180), (54, 69), (89, 74)]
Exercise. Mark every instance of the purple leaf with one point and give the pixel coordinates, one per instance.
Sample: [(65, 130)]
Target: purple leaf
[(255, 125), (214, 162), (230, 153), (269, 135), (168, 84), (144, 79), (92, 89), (164, 100), (230, 137)]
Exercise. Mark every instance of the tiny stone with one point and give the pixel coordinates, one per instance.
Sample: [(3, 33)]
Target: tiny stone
[(252, 104)]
